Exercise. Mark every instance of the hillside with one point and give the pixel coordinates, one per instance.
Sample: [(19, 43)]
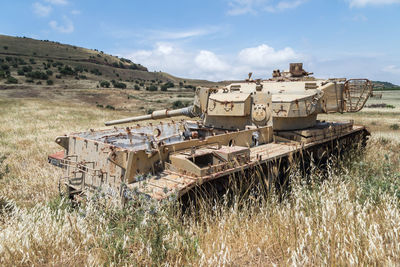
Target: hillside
[(381, 86), (28, 62)]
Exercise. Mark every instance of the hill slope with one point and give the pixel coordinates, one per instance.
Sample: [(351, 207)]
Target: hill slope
[(381, 86), (29, 62)]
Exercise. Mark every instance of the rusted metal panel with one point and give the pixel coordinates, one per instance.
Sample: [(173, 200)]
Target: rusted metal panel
[(56, 158)]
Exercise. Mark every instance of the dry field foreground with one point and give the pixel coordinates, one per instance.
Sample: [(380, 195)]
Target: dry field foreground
[(351, 218)]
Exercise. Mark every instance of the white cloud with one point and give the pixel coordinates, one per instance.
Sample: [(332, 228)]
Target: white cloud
[(209, 62), (240, 7), (204, 64), (75, 12), (57, 2), (393, 69), (41, 10), (282, 5), (363, 3), (360, 17), (165, 57), (174, 35), (68, 26), (264, 56)]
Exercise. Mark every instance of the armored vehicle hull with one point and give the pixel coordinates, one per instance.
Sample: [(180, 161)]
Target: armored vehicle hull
[(125, 160)]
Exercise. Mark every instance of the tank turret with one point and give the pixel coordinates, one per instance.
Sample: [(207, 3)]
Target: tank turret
[(289, 100)]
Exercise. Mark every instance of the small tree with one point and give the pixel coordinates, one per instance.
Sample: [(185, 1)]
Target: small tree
[(118, 84), (37, 75), (67, 70), (12, 80), (96, 72), (50, 82), (27, 68), (152, 88), (105, 84), (179, 104), (137, 87), (5, 67)]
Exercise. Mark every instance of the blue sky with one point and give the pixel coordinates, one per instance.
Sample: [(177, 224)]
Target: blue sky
[(224, 39)]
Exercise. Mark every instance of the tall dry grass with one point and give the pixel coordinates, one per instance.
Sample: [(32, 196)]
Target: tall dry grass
[(347, 216)]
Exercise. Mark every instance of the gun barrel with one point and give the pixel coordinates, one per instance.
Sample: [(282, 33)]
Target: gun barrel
[(158, 114)]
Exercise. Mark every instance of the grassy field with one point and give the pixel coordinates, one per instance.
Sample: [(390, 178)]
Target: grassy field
[(351, 218)]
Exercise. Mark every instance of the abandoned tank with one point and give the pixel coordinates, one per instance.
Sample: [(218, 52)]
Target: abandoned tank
[(238, 128)]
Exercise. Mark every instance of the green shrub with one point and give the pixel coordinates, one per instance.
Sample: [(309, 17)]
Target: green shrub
[(32, 61), (57, 64), (21, 61), (50, 82), (152, 88), (105, 84), (67, 70), (49, 72), (5, 47), (180, 104), (5, 67), (96, 72), (21, 72), (79, 69), (136, 87), (11, 80), (394, 126), (117, 84), (110, 107), (27, 68), (37, 75), (190, 87), (150, 110), (167, 85)]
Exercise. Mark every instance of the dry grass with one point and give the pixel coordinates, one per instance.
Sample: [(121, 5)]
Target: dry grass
[(352, 217)]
